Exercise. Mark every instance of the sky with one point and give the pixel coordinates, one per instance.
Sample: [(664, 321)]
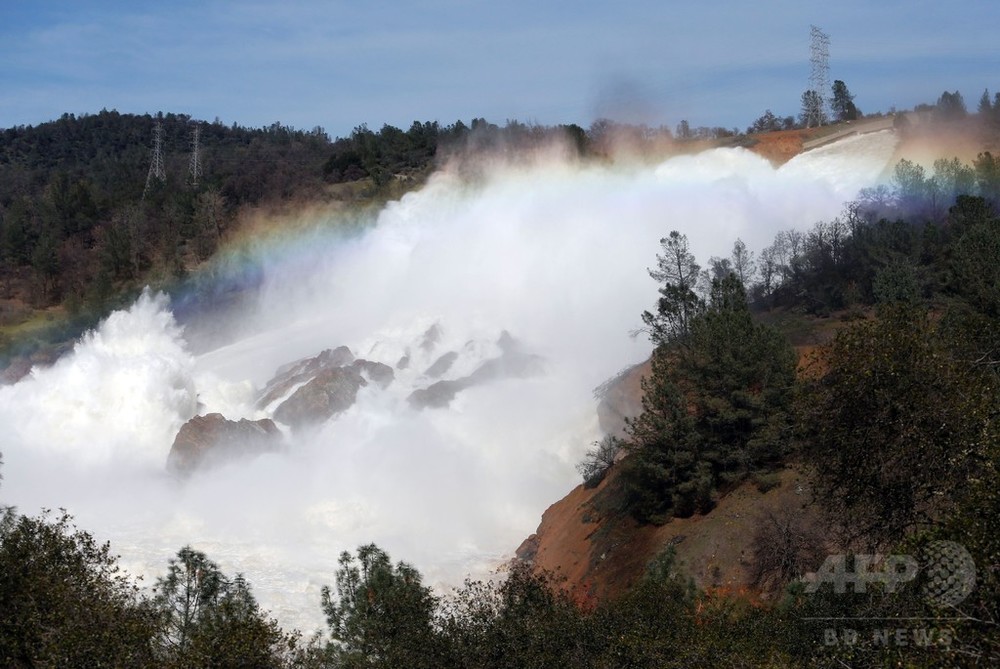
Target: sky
[(336, 65)]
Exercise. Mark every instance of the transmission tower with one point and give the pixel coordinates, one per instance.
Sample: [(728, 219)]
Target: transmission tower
[(156, 170), (194, 165), (819, 76)]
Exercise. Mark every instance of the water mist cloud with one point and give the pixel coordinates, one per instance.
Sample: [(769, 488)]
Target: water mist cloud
[(553, 253)]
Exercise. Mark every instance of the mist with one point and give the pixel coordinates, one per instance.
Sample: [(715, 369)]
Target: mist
[(552, 252)]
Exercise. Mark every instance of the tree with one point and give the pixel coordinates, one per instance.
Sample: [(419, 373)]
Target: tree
[(785, 546), (525, 620), (677, 270), (381, 615), (895, 426), (813, 109), (767, 122), (64, 600), (911, 185), (744, 265), (987, 168), (209, 214), (951, 106), (770, 270), (843, 102), (599, 460), (714, 409), (985, 107), (208, 619), (192, 585)]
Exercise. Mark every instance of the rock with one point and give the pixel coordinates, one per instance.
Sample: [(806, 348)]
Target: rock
[(431, 337), (324, 386), (511, 363), (437, 395), (621, 399), (528, 549), (295, 373), (205, 440), (377, 372), (330, 392), (18, 368), (441, 365)]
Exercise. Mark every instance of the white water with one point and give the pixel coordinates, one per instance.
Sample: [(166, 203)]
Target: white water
[(554, 253)]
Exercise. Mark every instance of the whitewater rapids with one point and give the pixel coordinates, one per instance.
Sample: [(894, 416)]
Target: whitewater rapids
[(554, 253)]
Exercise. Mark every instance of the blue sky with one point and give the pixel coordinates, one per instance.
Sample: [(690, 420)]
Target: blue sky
[(336, 64)]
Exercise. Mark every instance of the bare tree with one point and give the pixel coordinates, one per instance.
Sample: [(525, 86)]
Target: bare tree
[(743, 263), (784, 547)]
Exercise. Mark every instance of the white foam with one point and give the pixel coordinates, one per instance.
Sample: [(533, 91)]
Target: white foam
[(556, 254)]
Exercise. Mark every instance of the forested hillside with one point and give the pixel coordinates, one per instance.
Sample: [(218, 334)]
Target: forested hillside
[(88, 216)]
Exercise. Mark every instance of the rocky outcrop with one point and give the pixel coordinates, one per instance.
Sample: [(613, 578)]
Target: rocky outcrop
[(441, 365), (438, 395), (210, 439), (378, 373), (621, 399), (301, 371), (513, 362), (324, 386)]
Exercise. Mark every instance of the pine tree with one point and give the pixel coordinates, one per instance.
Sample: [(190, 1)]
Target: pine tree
[(678, 272)]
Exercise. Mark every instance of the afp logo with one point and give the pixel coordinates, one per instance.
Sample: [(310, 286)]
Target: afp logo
[(947, 573)]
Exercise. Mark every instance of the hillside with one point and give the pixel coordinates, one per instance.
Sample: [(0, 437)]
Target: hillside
[(598, 553)]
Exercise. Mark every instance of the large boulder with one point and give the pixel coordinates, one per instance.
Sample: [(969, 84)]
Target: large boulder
[(331, 390), (302, 371), (439, 394), (513, 362), (620, 399), (210, 439)]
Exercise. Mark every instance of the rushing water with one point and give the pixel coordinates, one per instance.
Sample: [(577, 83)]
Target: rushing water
[(554, 253)]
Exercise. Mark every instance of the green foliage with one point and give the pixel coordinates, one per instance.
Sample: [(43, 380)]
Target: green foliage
[(766, 122), (64, 601), (987, 169), (678, 304), (599, 460), (924, 414), (207, 619), (813, 112), (843, 102), (951, 106), (524, 620), (974, 263), (381, 615), (714, 409), (895, 284)]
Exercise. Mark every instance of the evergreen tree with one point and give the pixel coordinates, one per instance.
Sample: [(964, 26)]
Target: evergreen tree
[(714, 409), (677, 270), (894, 426), (843, 102), (381, 614), (985, 107), (64, 601), (207, 619), (813, 110)]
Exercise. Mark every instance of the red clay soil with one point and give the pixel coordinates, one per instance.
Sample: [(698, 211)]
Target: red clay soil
[(779, 147), (597, 557)]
